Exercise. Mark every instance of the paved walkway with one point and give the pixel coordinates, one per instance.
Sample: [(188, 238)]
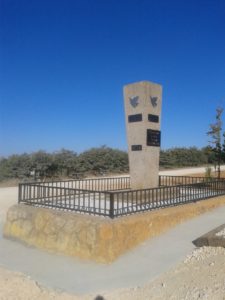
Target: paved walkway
[(137, 267)]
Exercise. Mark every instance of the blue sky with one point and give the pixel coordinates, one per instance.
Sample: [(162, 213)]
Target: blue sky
[(63, 65)]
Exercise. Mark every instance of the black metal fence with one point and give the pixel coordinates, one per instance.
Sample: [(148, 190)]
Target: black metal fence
[(112, 197), (94, 184), (128, 202), (89, 195), (165, 180)]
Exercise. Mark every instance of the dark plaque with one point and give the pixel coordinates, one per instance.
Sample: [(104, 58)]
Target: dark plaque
[(136, 147), (153, 137), (135, 118), (153, 118)]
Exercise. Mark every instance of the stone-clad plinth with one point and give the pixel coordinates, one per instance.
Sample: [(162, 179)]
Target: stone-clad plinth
[(143, 101), (91, 237)]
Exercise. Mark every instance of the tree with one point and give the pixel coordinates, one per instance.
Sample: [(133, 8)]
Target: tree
[(215, 134), (103, 160), (41, 163), (182, 157), (209, 155), (65, 162)]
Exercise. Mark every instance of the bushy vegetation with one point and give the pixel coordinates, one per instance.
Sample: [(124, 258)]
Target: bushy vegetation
[(96, 161), (64, 163), (186, 157)]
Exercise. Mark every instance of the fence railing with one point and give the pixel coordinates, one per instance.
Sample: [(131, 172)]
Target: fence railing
[(116, 183), (165, 180), (88, 201), (127, 202), (118, 200), (95, 184)]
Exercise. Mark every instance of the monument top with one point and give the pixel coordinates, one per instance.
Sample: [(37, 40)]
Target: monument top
[(143, 82)]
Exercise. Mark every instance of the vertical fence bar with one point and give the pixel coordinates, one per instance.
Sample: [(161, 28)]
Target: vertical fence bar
[(159, 180), (111, 208), (20, 193), (132, 200)]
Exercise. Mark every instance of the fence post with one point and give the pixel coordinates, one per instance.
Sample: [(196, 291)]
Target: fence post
[(20, 193), (111, 208), (159, 180)]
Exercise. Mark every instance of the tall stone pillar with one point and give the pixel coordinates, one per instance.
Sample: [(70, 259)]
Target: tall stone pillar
[(143, 102)]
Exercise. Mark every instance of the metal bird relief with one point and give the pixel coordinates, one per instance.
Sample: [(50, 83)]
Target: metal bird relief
[(154, 101), (134, 101)]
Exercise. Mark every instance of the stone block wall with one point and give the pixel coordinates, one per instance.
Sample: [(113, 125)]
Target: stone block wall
[(92, 237)]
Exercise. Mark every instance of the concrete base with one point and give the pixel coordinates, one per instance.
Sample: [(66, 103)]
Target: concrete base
[(211, 238)]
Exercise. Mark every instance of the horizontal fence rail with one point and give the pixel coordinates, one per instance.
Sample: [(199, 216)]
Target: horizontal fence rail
[(98, 184), (112, 197), (165, 180)]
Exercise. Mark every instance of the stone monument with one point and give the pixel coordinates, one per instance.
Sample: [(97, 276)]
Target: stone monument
[(143, 102)]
